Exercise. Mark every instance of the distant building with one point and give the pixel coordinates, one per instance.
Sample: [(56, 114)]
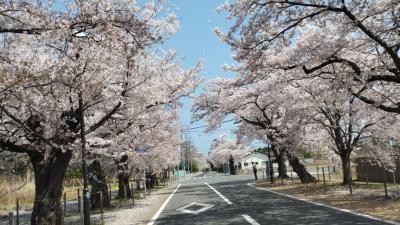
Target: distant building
[(367, 169), (260, 159)]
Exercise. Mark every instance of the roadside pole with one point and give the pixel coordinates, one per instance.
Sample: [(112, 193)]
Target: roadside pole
[(86, 193), (323, 177), (350, 178)]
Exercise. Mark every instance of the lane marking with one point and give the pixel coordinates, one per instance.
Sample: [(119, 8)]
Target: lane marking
[(250, 220), (326, 206), (219, 194), (155, 217), (203, 208)]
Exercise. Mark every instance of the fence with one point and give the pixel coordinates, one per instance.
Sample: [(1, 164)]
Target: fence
[(72, 201), (330, 176)]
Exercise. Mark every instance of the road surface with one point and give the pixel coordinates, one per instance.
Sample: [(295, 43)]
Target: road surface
[(210, 199)]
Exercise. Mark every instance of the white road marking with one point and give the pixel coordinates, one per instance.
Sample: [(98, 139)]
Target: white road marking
[(219, 194), (162, 207), (204, 208), (250, 220), (327, 206)]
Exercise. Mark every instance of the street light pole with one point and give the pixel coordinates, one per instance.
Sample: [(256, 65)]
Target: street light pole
[(86, 193)]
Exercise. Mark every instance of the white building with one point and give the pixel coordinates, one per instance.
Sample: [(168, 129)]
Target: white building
[(261, 160)]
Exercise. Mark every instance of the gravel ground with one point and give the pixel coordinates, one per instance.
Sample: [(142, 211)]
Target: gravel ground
[(143, 210)]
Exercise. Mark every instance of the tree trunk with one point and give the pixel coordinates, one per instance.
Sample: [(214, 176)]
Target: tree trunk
[(232, 166), (49, 176), (300, 169), (99, 184), (280, 159), (346, 168), (282, 170), (151, 180), (123, 178), (123, 182)]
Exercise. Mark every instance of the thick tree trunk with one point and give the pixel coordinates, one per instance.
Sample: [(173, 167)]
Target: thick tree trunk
[(98, 181), (346, 168), (123, 178), (282, 170), (232, 166), (212, 166), (151, 180), (300, 169), (280, 159), (49, 176), (123, 183)]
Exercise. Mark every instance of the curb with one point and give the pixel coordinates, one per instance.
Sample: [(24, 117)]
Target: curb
[(327, 206)]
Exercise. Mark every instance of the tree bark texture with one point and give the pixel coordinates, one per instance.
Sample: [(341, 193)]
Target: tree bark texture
[(98, 181), (49, 176)]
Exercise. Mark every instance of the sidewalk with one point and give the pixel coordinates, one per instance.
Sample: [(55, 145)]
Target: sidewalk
[(143, 210)]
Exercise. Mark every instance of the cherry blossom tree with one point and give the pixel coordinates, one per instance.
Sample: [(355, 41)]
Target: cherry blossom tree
[(93, 51), (223, 150), (345, 119), (358, 38), (352, 44), (265, 109), (155, 109)]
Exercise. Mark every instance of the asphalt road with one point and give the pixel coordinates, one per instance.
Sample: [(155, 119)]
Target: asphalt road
[(220, 200)]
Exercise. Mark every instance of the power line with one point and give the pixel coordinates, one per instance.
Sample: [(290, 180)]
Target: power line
[(202, 131), (204, 126)]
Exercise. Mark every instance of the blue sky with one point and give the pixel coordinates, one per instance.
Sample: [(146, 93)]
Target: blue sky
[(196, 41)]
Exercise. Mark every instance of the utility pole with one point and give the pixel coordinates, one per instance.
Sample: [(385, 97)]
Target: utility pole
[(185, 155), (86, 193), (190, 157)]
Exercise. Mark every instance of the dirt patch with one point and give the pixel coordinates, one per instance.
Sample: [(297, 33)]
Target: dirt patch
[(366, 198)]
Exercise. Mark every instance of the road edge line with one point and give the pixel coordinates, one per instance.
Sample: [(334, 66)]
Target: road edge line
[(219, 194), (155, 217), (250, 220), (327, 206)]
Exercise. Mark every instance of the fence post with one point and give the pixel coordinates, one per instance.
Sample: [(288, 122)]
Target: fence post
[(291, 176), (11, 218), (101, 208), (384, 181), (317, 173), (125, 194), (329, 173), (109, 189), (350, 179), (148, 181), (17, 211), (65, 203), (323, 177), (79, 200), (144, 188), (133, 194)]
